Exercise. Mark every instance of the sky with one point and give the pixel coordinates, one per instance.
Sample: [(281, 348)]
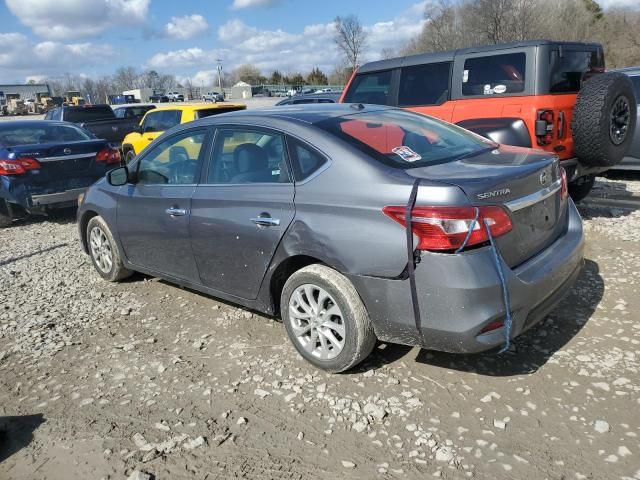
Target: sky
[(47, 38)]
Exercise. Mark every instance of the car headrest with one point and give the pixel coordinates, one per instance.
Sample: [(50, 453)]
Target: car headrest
[(250, 157), (178, 154)]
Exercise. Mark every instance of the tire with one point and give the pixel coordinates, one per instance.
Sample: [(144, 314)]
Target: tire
[(114, 271), (5, 220), (580, 187), (129, 156), (349, 324), (604, 119)]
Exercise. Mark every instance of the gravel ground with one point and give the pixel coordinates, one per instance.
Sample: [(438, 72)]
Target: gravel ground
[(113, 381)]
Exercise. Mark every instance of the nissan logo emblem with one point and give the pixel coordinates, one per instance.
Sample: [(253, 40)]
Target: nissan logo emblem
[(67, 151), (543, 177)]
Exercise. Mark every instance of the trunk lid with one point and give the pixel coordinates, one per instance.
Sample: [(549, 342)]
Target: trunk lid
[(62, 167), (526, 182)]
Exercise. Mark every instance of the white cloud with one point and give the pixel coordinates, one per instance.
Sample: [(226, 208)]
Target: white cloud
[(185, 27), (285, 51), (67, 19), (619, 3), (19, 56), (240, 4)]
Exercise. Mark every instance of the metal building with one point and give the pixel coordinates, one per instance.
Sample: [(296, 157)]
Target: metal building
[(25, 91)]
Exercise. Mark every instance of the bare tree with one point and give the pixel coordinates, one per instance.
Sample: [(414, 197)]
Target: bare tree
[(248, 73), (350, 38)]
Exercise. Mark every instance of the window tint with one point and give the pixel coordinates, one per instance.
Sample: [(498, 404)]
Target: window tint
[(569, 71), (305, 159), (41, 133), (216, 111), (636, 86), (424, 84), (161, 121), (248, 156), (494, 74), (370, 88), (304, 100), (172, 162), (88, 114)]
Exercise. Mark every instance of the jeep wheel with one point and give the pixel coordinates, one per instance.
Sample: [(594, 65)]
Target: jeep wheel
[(604, 119), (580, 187)]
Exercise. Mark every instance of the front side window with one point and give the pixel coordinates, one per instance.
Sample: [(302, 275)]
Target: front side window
[(172, 162), (424, 84), (248, 156), (370, 88), (404, 139), (494, 74), (572, 68)]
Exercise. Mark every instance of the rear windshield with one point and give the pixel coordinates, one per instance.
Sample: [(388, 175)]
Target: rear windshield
[(88, 114), (32, 135), (215, 111), (403, 139), (572, 68), (370, 88), (132, 112)]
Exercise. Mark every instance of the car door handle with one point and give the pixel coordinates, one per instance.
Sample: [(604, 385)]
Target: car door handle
[(176, 212), (266, 221)]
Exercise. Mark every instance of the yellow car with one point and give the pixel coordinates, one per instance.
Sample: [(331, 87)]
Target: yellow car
[(157, 121)]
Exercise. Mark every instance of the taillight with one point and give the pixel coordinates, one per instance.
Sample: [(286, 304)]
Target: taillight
[(445, 228), (18, 166), (564, 189), (544, 127), (108, 155)]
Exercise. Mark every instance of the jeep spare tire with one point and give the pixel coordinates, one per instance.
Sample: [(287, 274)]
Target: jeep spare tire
[(604, 119)]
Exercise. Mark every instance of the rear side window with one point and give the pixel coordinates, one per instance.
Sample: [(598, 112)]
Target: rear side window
[(572, 68), (494, 74), (424, 84), (305, 159), (370, 88), (161, 121)]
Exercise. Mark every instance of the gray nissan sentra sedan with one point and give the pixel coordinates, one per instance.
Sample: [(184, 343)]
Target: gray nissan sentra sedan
[(301, 213)]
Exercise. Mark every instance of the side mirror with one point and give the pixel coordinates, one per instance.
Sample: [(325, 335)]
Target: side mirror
[(118, 176)]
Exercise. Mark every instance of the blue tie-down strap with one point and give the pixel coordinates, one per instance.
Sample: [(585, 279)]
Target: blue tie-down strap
[(505, 290)]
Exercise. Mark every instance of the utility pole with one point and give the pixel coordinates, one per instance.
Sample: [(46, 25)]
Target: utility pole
[(219, 66)]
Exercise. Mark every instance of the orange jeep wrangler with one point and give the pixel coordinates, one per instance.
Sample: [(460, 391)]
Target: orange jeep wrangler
[(539, 94)]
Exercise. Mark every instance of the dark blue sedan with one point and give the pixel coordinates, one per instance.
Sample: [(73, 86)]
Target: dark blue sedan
[(45, 164)]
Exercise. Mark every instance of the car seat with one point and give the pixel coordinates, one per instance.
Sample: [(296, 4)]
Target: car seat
[(251, 164)]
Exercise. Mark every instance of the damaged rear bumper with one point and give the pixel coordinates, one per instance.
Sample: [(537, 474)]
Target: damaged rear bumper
[(461, 294)]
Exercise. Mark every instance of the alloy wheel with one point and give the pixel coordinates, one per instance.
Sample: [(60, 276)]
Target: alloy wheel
[(619, 120), (317, 322), (101, 249)]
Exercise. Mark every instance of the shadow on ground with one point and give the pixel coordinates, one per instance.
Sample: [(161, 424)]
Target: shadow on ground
[(532, 349), (17, 432)]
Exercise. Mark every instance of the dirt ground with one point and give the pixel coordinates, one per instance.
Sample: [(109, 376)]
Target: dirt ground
[(110, 381)]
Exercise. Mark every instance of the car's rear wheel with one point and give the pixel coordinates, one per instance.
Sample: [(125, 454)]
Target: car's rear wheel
[(104, 251), (325, 319), (5, 220)]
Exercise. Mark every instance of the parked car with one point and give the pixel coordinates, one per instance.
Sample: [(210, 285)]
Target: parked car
[(98, 119), (136, 110), (175, 97), (46, 164), (324, 90), (213, 97), (159, 98), (632, 160), (287, 213), (543, 94), (156, 121), (330, 97)]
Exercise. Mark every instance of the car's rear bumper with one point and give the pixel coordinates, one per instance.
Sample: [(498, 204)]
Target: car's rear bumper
[(461, 294), (70, 197)]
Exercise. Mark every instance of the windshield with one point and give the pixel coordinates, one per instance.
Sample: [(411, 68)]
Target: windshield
[(31, 135), (404, 139)]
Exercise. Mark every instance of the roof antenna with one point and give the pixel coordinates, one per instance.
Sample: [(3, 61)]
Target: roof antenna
[(357, 106)]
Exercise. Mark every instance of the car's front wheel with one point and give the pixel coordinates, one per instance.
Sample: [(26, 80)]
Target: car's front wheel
[(325, 318), (104, 251)]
